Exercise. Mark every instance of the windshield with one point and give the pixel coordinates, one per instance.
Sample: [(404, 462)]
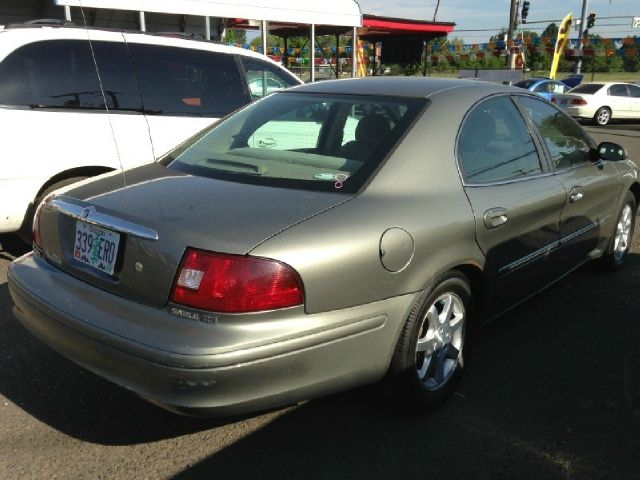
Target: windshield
[(300, 140)]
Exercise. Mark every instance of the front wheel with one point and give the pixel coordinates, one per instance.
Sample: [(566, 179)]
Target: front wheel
[(620, 241), (430, 354), (602, 116)]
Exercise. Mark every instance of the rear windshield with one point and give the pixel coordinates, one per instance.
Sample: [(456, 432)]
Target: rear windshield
[(588, 89), (524, 83), (300, 140)]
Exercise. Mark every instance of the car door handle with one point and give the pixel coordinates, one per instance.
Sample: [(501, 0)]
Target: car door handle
[(576, 194), (494, 217)]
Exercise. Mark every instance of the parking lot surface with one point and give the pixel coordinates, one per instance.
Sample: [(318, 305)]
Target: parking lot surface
[(553, 392)]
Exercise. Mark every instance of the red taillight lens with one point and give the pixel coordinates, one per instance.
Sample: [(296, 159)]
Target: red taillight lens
[(554, 100), (37, 239), (235, 283), (578, 101)]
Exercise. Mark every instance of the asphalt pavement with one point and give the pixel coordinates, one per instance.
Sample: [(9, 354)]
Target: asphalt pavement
[(552, 392)]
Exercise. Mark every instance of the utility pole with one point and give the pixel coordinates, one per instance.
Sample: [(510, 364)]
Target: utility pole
[(581, 33), (512, 21)]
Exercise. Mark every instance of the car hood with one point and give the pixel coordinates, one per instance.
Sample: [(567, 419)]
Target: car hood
[(180, 211)]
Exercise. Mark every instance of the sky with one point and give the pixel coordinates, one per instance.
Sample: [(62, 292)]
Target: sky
[(493, 15)]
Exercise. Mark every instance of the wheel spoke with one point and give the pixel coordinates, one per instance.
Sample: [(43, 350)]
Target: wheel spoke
[(432, 317), (426, 344), (445, 315)]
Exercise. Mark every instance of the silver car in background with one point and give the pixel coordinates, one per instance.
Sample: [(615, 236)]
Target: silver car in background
[(321, 238)]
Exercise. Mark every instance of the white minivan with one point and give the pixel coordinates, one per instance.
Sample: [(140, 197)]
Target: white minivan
[(77, 102)]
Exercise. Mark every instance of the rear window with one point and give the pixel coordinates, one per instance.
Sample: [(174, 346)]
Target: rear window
[(588, 89), (524, 83), (299, 140)]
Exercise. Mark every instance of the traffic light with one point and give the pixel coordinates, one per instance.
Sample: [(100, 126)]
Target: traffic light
[(525, 11), (591, 20)]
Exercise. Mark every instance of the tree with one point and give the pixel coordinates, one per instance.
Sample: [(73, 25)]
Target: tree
[(551, 31), (235, 36), (498, 37)]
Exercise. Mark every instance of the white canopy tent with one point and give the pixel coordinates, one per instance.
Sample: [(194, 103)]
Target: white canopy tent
[(344, 13)]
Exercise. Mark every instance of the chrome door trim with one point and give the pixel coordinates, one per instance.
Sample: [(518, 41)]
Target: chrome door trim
[(551, 247)]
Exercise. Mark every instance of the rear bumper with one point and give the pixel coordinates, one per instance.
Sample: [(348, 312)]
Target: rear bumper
[(256, 373), (580, 112)]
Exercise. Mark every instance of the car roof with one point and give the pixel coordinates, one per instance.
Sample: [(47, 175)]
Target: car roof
[(415, 87), (12, 38)]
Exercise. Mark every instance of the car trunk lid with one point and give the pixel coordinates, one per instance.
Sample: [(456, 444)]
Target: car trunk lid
[(154, 219)]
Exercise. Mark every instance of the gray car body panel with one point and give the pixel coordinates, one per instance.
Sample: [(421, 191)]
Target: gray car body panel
[(231, 364), (194, 212), (355, 302)]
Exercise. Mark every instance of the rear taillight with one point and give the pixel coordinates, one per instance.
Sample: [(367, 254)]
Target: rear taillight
[(37, 239), (578, 101), (554, 100), (235, 283)]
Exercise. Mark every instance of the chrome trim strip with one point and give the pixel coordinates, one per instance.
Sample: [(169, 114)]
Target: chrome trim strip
[(90, 215), (521, 262), (577, 233), (547, 249)]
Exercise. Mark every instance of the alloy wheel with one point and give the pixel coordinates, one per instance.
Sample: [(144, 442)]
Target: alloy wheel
[(603, 116), (623, 233), (440, 341)]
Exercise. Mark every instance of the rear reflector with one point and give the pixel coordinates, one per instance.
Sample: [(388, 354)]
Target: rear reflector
[(234, 283)]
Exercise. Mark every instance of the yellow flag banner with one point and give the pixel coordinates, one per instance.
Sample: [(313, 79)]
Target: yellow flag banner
[(362, 65), (563, 37)]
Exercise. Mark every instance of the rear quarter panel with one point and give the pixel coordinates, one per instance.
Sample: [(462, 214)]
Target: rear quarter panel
[(419, 190)]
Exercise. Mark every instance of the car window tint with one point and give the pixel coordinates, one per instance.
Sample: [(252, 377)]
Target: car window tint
[(182, 81), (296, 140), (541, 87), (55, 73), (587, 88), (388, 115), (618, 90), (634, 91), (117, 76), (264, 78), (524, 83), (495, 144), (568, 145)]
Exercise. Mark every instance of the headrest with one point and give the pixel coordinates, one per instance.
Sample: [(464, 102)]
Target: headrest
[(372, 129)]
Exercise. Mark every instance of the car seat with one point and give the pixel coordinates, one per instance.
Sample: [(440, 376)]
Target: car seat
[(371, 131)]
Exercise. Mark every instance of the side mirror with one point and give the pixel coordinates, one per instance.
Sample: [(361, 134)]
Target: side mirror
[(611, 151)]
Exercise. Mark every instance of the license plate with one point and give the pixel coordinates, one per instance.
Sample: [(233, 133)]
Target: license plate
[(96, 246)]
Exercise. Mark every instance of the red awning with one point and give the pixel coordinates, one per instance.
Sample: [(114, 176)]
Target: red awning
[(395, 26)]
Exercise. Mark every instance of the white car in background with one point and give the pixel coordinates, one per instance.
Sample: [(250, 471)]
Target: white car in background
[(601, 101), (62, 122)]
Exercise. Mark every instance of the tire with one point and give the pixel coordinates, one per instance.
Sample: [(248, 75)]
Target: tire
[(620, 241), (602, 116), (26, 229), (431, 352)]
